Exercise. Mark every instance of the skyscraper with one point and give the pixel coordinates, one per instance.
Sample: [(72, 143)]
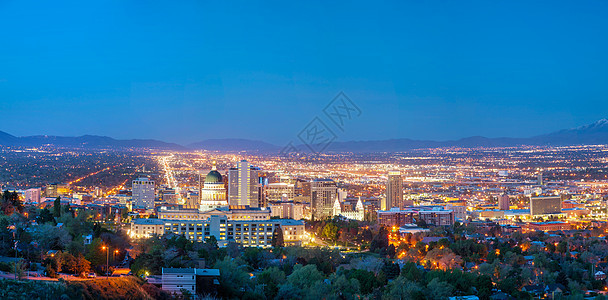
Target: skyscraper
[(503, 202), (323, 194), (394, 191), (243, 185), (143, 193), (32, 195)]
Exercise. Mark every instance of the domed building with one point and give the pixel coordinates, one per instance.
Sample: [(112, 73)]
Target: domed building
[(213, 192)]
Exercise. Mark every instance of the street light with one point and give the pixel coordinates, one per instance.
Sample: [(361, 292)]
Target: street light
[(107, 259)]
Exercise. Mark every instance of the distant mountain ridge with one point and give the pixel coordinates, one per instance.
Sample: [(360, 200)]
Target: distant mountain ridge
[(85, 141), (592, 134)]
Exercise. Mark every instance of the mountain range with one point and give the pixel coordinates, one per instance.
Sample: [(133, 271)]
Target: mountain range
[(592, 134)]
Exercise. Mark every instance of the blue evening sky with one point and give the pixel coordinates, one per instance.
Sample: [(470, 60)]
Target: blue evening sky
[(183, 71)]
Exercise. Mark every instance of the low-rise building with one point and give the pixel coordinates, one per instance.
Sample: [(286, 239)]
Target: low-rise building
[(144, 228), (195, 281), (410, 215), (548, 226), (287, 210), (178, 213), (248, 233)]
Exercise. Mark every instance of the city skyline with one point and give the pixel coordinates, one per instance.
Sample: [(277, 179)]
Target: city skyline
[(304, 150)]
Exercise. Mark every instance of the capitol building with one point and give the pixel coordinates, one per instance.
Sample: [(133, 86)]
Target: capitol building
[(213, 192)]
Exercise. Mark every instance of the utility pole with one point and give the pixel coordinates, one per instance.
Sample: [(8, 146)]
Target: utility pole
[(15, 263)]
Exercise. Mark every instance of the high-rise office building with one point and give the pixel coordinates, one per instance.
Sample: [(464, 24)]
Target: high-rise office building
[(540, 178), (545, 205), (394, 191), (323, 194), (276, 192), (143, 193), (262, 184), (503, 202), (32, 195), (243, 185)]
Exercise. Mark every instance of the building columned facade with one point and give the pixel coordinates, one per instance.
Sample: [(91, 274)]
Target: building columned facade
[(253, 233), (194, 214), (213, 192)]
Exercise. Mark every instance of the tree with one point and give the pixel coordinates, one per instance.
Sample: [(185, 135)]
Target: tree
[(277, 237), (74, 264), (304, 276), (562, 247), (81, 265), (57, 207), (289, 291), (367, 280), (402, 288), (45, 216), (391, 270), (380, 241), (330, 232), (484, 287), (411, 272), (233, 279), (10, 203), (271, 278), (51, 237), (437, 289), (443, 258), (95, 254), (390, 251), (344, 288)]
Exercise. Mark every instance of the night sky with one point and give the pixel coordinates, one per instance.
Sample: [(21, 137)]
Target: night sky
[(184, 71)]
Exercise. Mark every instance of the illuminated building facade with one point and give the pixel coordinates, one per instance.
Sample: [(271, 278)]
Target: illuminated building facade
[(276, 192), (178, 213), (32, 195), (323, 194), (143, 193), (287, 210), (503, 202), (431, 216), (253, 233), (394, 191), (213, 192), (545, 205), (243, 185), (349, 212)]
